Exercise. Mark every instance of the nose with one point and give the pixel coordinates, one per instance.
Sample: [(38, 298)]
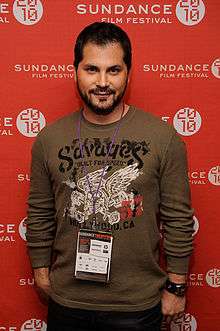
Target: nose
[(102, 80)]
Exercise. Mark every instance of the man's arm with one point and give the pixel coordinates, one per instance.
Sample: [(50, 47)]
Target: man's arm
[(42, 282), (40, 221), (177, 217), (172, 304)]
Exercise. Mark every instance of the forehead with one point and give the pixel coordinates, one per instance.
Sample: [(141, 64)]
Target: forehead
[(99, 55)]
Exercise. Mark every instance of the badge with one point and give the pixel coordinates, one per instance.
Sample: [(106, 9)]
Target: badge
[(93, 256)]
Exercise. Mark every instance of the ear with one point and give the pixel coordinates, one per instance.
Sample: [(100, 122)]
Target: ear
[(129, 76)]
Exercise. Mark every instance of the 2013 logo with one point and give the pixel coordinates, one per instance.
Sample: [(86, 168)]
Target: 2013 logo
[(28, 12), (190, 12)]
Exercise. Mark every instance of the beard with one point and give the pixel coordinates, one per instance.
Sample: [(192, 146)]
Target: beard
[(97, 109)]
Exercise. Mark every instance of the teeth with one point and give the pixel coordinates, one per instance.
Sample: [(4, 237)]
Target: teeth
[(103, 95)]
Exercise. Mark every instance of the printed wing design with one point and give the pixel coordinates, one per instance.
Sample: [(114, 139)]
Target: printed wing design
[(94, 179), (121, 179)]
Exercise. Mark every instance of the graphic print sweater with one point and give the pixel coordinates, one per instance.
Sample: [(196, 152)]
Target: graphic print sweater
[(145, 179)]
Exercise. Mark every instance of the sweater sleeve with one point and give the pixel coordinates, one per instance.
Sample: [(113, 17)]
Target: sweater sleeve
[(175, 207), (41, 211)]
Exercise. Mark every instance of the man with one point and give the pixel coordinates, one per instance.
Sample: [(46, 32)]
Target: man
[(100, 179)]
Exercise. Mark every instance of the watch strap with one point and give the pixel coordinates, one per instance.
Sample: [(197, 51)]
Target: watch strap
[(174, 288)]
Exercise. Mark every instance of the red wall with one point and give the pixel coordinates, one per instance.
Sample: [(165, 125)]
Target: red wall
[(176, 75)]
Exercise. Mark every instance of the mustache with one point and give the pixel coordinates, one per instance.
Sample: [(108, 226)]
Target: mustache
[(105, 90)]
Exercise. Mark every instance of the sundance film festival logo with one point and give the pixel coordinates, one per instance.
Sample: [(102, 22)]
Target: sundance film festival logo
[(204, 176), (127, 13), (183, 70), (34, 325), (187, 121), (213, 277), (28, 12), (45, 71), (186, 322), (30, 121), (190, 12)]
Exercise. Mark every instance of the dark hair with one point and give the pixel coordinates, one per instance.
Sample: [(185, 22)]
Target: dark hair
[(101, 33)]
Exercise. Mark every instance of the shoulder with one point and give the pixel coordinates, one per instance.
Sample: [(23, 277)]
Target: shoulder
[(61, 127), (153, 124), (160, 135)]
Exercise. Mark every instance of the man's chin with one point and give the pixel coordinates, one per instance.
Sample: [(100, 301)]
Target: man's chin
[(101, 110)]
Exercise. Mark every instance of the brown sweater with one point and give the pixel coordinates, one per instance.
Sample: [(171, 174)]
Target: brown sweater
[(145, 178)]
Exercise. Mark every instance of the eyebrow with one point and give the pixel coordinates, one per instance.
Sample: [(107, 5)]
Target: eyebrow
[(90, 65)]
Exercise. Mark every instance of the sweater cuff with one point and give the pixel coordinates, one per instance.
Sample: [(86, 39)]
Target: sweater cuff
[(40, 256), (178, 265)]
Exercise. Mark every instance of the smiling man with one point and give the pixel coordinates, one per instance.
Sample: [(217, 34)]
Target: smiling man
[(102, 83), (100, 180)]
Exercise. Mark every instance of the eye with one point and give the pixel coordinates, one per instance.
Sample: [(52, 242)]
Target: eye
[(91, 69), (114, 70)]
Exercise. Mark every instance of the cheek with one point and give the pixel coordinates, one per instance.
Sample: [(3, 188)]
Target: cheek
[(120, 84), (85, 82), (83, 85)]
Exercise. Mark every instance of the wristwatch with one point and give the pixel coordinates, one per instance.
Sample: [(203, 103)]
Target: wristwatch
[(177, 289)]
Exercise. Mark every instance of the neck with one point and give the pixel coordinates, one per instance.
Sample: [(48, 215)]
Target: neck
[(115, 116)]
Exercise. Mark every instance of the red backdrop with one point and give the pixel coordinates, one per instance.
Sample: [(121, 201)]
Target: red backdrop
[(175, 75)]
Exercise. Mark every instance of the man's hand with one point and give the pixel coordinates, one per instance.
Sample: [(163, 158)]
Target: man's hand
[(42, 281), (172, 304)]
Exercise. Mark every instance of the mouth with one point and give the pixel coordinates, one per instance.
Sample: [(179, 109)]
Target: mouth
[(102, 93), (102, 96)]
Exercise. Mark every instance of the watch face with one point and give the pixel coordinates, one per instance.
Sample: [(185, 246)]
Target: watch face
[(180, 291), (177, 289)]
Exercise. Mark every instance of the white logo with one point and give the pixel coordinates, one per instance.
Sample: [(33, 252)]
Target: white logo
[(187, 121), (214, 175), (195, 226), (30, 121), (187, 322), (216, 68), (190, 12), (213, 277), (48, 71), (28, 12), (23, 228), (34, 325)]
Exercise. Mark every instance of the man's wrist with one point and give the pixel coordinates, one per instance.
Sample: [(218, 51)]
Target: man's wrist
[(177, 278), (178, 289)]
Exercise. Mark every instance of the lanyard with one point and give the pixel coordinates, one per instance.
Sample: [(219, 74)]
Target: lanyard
[(85, 169)]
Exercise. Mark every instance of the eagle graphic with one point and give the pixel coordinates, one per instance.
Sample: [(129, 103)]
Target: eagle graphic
[(112, 191)]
